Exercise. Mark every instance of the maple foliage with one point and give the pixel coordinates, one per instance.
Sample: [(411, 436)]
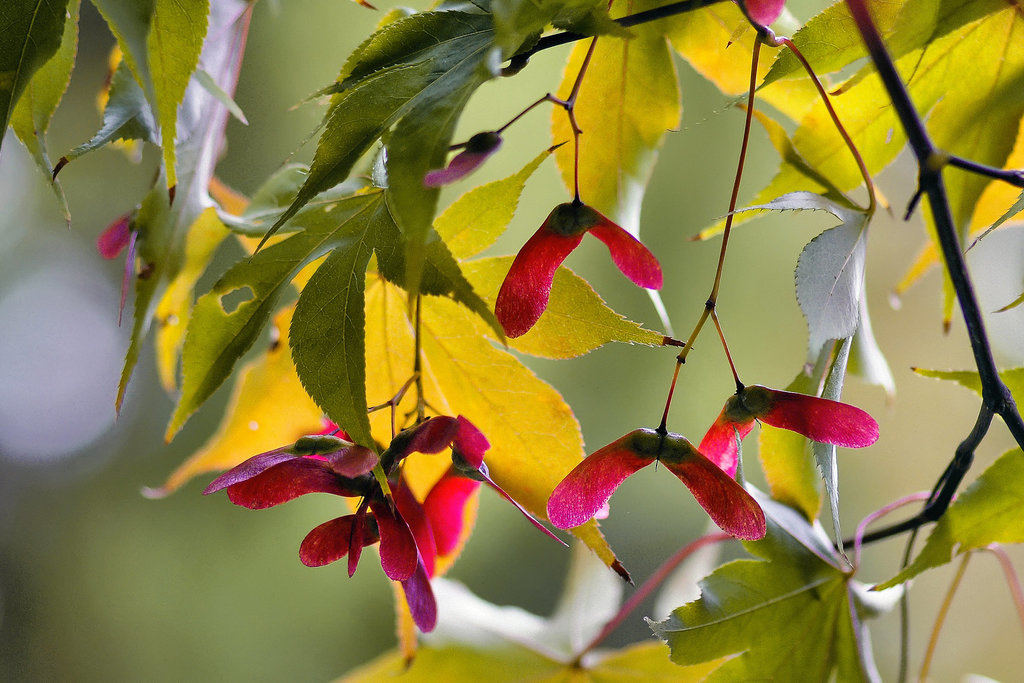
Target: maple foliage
[(395, 320)]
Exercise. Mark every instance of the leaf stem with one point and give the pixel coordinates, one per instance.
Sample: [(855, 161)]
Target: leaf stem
[(858, 536), (725, 345), (861, 166), (941, 618), (649, 587), (1012, 581), (531, 107)]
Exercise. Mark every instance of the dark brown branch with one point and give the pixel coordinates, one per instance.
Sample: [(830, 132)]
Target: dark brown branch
[(942, 495), (1011, 176), (520, 60), (996, 397)]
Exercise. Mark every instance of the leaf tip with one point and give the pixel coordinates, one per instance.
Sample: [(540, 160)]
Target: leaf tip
[(61, 163), (619, 569)]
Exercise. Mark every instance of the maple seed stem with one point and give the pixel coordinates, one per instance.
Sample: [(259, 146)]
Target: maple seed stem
[(417, 368), (940, 620), (709, 305), (395, 400), (663, 427), (648, 587), (725, 346), (569, 104), (531, 107)]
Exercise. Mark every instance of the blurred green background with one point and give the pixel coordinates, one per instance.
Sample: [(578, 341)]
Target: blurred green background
[(98, 583)]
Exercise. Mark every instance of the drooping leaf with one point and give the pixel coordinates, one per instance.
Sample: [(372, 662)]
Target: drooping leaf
[(866, 359), (455, 46), (786, 456), (576, 321), (129, 22), (161, 225), (127, 115), (476, 219), (327, 347), (987, 512), (830, 279), (31, 116), (175, 307), (420, 142), (217, 338), (176, 32), (533, 443), (1013, 379), (824, 453), (790, 615), (32, 31), (327, 334), (830, 270), (268, 408)]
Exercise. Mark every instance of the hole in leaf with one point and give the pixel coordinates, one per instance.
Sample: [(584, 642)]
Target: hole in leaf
[(235, 298)]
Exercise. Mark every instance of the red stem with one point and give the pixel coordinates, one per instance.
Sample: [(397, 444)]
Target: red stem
[(649, 586)]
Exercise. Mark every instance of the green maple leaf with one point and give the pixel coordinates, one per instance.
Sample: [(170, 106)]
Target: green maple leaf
[(795, 613), (412, 78), (33, 31), (31, 116), (163, 225), (476, 640), (327, 334)]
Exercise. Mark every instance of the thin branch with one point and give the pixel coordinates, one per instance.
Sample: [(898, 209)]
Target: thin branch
[(1011, 176), (996, 397), (709, 305), (517, 62)]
